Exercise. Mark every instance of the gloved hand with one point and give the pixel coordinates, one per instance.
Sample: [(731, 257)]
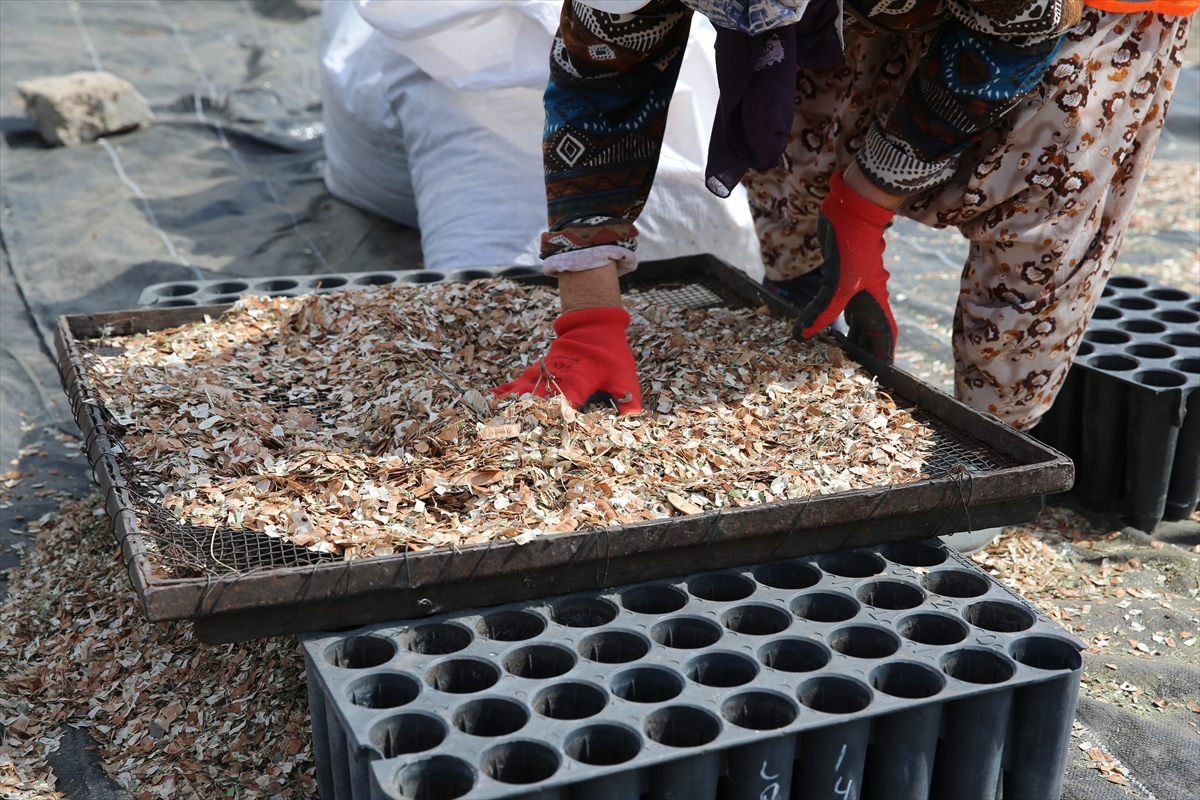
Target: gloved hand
[(589, 362), (853, 278)]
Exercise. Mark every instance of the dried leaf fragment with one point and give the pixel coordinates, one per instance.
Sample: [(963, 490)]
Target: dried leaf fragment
[(682, 505), (482, 477), (494, 432), (352, 428)]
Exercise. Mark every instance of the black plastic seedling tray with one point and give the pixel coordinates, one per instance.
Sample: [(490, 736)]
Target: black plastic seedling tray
[(245, 585), (887, 672), (1129, 413), (181, 294)]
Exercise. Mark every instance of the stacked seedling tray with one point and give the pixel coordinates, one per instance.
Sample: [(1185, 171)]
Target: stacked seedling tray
[(1129, 413), (238, 584), (894, 671), (181, 294)]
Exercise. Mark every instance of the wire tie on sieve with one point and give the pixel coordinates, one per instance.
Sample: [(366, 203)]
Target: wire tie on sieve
[(213, 587), (792, 529), (454, 604), (887, 490), (407, 572), (661, 537), (75, 394), (208, 580), (593, 539), (89, 438), (95, 477), (237, 578), (306, 584), (298, 605), (345, 580), (961, 473), (712, 532), (579, 548), (607, 556), (948, 508)]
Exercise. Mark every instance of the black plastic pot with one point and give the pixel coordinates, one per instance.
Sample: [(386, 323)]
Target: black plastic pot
[(1183, 491), (1127, 413), (930, 680)]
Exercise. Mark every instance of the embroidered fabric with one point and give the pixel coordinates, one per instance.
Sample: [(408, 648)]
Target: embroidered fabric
[(893, 165)]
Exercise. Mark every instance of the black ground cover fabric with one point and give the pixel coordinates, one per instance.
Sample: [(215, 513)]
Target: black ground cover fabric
[(228, 182)]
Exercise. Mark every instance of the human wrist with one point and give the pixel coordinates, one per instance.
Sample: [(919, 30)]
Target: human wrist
[(857, 181), (592, 320), (594, 288)]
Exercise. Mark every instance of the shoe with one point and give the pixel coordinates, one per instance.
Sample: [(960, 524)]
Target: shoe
[(798, 291)]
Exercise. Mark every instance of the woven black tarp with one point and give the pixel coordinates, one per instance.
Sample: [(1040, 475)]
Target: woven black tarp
[(235, 188)]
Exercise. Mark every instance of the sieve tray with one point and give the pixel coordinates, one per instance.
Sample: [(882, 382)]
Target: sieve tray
[(246, 585)]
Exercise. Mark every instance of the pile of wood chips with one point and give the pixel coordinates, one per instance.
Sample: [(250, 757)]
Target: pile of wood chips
[(172, 718), (361, 424)]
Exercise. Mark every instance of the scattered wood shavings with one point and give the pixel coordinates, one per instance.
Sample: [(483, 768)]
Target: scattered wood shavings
[(21, 780), (359, 424), (1101, 760), (1088, 581), (174, 718)]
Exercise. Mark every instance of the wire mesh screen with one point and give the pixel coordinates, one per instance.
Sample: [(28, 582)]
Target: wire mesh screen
[(180, 549), (695, 296), (952, 449)]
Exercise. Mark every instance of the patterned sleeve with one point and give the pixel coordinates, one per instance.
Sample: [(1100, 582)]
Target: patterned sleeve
[(1024, 21), (982, 61), (611, 81)]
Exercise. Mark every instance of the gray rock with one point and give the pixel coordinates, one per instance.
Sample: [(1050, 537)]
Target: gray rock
[(83, 106)]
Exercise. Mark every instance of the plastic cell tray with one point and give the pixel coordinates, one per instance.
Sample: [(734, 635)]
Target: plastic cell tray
[(900, 671), (1128, 412), (236, 584), (181, 294)]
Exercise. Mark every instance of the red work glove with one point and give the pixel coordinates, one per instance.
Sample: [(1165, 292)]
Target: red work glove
[(853, 278), (590, 362)]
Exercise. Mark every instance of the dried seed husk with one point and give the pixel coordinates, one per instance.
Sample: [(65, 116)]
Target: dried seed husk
[(352, 422)]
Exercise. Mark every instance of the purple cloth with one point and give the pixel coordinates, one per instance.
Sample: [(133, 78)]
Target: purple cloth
[(757, 78)]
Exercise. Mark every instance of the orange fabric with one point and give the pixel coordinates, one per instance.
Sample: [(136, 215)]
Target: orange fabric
[(1181, 8)]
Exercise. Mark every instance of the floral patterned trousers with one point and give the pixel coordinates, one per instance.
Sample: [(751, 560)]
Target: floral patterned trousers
[(1044, 199)]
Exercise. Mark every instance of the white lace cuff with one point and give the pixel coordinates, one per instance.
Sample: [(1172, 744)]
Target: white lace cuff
[(591, 258)]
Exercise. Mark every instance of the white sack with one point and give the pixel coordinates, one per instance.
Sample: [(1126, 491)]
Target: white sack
[(365, 161), (470, 159), (471, 44)]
